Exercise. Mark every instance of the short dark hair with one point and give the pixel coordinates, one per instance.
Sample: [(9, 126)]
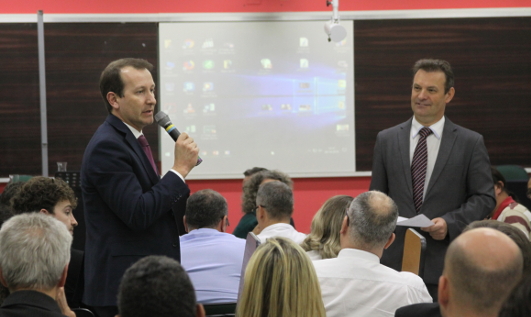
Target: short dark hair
[(205, 209), (156, 286), (277, 199), (436, 65), (253, 170), (42, 193), (111, 77)]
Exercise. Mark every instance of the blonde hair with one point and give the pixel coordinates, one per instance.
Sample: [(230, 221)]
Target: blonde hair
[(326, 224), (280, 281)]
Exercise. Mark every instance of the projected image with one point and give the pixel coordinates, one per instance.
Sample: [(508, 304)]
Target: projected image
[(272, 94)]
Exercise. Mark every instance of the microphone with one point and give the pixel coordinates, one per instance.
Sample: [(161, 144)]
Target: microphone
[(164, 121)]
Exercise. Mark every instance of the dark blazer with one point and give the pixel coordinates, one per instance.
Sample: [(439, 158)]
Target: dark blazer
[(29, 303), (460, 188), (128, 210), (419, 310), (74, 279)]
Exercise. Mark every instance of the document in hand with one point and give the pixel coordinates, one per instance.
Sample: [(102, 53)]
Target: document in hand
[(417, 221)]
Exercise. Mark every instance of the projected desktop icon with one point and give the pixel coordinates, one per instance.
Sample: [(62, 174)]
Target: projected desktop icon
[(208, 43), (188, 86), (208, 64), (208, 86), (228, 45), (188, 44), (169, 86), (266, 63), (167, 44), (304, 85), (341, 83), (209, 108), (189, 109), (227, 64), (303, 42), (190, 129), (188, 65), (170, 65), (304, 63)]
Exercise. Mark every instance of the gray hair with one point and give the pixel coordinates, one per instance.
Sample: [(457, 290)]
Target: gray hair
[(372, 216), (277, 198), (205, 209), (34, 250)]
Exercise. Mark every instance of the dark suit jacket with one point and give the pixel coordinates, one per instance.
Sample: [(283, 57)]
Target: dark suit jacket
[(419, 310), (460, 188), (74, 279), (29, 303), (128, 210)]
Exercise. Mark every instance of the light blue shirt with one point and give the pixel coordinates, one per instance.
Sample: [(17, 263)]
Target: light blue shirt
[(213, 260)]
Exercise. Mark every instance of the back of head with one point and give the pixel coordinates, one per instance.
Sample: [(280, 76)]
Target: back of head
[(156, 286), (277, 199), (482, 266), (436, 65), (111, 78), (205, 209), (254, 170), (34, 250), (10, 190), (42, 193), (280, 281), (372, 217), (250, 187), (326, 224), (512, 232), (518, 303)]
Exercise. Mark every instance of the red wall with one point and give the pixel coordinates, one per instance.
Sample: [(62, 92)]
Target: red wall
[(309, 193)]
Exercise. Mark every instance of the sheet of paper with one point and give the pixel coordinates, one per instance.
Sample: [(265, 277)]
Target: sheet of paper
[(417, 221)]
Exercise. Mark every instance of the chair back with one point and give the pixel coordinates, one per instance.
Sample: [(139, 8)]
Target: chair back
[(83, 312), (414, 249), (220, 310)]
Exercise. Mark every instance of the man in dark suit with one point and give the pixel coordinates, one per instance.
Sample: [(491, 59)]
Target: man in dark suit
[(34, 256), (128, 207), (456, 187)]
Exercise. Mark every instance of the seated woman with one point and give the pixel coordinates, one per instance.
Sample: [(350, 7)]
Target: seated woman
[(323, 240), (280, 281)]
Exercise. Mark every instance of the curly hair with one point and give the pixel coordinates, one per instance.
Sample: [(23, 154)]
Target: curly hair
[(250, 188), (42, 193), (326, 224)]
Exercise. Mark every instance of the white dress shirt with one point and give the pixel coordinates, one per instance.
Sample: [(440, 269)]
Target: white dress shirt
[(355, 284), (314, 255), (433, 142), (213, 260), (281, 230)]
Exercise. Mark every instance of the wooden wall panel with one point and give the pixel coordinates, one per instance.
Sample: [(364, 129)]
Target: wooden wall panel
[(491, 58)]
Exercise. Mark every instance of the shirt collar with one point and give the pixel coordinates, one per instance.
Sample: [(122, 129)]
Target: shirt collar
[(135, 132), (436, 128), (356, 253)]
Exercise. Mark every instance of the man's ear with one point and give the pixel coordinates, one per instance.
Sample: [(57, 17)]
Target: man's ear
[(112, 99), (185, 224), (344, 226), (46, 212), (449, 95), (443, 290), (390, 241), (223, 224), (200, 311)]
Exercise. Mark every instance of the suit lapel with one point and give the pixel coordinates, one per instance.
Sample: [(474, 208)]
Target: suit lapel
[(403, 145), (133, 142), (447, 142)]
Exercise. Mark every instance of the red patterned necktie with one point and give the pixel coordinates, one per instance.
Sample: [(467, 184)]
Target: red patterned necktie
[(147, 149), (418, 167)]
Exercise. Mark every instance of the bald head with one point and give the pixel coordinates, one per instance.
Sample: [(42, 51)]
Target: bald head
[(372, 217), (481, 267)]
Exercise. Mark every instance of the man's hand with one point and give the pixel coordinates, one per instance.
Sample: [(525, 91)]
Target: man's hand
[(186, 154), (439, 230)]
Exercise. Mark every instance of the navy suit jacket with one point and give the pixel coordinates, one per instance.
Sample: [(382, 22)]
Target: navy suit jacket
[(128, 210), (460, 188)]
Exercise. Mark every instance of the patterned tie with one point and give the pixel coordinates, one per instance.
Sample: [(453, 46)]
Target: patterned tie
[(147, 149), (418, 167)]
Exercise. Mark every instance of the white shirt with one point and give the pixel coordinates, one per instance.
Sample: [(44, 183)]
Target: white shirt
[(213, 260), (355, 284), (281, 230), (314, 255), (433, 142)]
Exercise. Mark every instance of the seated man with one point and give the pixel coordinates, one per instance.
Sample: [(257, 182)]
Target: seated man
[(34, 256), (157, 286), (481, 267), (355, 283), (56, 198), (211, 257), (507, 209), (274, 207)]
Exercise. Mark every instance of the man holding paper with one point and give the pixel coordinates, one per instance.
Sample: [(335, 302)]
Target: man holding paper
[(429, 165)]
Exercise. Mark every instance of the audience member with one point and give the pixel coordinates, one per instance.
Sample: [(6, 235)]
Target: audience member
[(518, 304), (280, 281), (56, 198), (323, 240), (274, 207), (250, 172), (248, 222), (355, 283), (481, 268), (507, 209), (34, 256), (5, 200), (216, 277), (157, 286), (433, 309)]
